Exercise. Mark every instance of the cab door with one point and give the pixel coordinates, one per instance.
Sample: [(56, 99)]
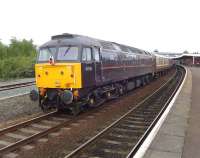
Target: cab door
[(97, 65), (88, 67)]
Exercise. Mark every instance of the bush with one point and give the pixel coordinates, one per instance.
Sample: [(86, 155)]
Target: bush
[(17, 60)]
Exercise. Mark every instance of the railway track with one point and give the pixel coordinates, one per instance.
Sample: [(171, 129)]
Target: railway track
[(16, 136), (17, 85), (124, 137)]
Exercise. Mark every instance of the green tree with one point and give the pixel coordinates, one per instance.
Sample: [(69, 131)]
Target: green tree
[(185, 52), (17, 59), (3, 51)]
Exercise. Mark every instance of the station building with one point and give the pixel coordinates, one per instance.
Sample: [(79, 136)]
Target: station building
[(189, 59)]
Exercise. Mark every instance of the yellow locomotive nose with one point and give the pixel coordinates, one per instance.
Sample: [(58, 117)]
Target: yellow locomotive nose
[(60, 75)]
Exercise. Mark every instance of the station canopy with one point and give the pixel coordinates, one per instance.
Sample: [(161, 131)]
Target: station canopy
[(176, 55)]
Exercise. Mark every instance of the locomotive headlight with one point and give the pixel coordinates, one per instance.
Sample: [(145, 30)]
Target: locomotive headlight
[(62, 73)]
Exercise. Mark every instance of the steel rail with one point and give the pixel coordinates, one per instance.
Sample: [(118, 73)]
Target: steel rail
[(25, 123), (17, 85), (33, 137), (30, 138)]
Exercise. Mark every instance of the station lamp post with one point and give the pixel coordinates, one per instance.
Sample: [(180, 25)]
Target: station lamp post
[(193, 60)]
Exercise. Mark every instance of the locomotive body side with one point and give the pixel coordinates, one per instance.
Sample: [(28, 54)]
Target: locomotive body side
[(118, 66)]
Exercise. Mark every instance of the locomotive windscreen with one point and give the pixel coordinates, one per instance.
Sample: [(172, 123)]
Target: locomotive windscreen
[(68, 53), (46, 53), (63, 53)]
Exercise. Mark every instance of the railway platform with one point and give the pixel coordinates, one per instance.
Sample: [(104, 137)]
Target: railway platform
[(179, 135)]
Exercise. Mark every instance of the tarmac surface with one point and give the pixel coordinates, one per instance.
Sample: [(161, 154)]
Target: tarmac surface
[(179, 136)]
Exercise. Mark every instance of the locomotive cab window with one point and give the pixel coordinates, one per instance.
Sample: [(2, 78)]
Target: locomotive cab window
[(46, 53), (96, 54), (68, 53), (87, 54)]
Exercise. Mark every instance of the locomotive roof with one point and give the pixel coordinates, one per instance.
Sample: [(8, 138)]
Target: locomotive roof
[(71, 39), (79, 40)]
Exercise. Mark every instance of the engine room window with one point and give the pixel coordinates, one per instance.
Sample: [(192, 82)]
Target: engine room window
[(87, 54), (46, 53), (96, 54), (68, 53)]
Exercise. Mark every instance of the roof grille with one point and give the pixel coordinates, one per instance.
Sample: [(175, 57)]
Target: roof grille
[(107, 45), (64, 35)]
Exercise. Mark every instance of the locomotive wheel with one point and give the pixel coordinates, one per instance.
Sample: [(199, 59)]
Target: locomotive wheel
[(120, 90), (42, 105), (142, 82), (147, 80), (75, 110), (108, 95), (45, 109), (92, 101)]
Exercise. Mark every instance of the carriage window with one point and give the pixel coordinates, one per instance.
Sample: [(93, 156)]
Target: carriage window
[(96, 54), (87, 54)]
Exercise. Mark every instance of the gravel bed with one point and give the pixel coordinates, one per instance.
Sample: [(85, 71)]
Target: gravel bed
[(17, 109)]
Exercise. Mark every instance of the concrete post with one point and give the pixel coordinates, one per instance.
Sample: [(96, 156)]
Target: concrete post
[(193, 61)]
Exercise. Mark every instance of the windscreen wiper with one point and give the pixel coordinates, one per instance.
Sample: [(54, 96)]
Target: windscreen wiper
[(50, 51), (67, 50)]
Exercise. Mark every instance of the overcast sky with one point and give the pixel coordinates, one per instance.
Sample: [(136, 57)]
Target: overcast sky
[(166, 25)]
